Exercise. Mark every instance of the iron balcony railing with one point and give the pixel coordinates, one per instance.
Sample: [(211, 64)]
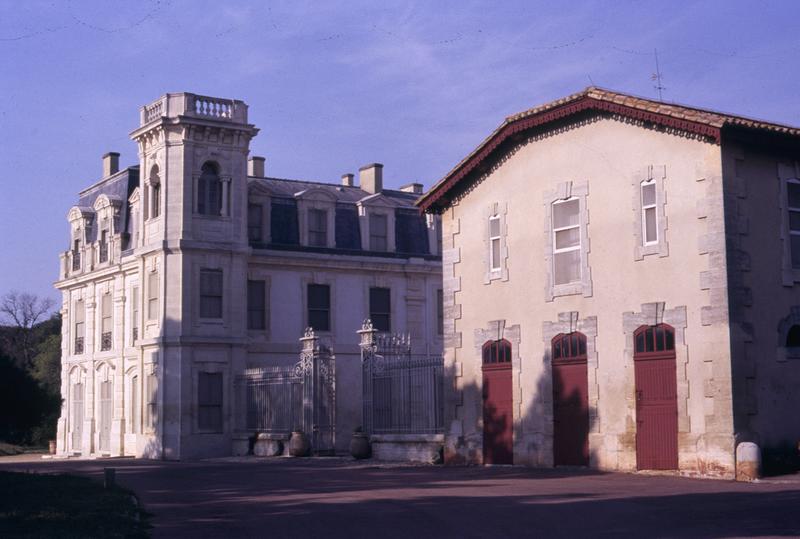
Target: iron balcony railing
[(105, 341), (103, 252), (76, 260), (78, 345)]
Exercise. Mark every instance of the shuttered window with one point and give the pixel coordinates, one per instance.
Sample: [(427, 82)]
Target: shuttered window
[(319, 306), (209, 401), (210, 293), (380, 308)]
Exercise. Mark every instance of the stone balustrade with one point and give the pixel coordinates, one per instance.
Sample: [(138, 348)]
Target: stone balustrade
[(196, 106)]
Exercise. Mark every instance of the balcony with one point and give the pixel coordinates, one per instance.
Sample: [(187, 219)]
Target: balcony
[(78, 346), (105, 341), (195, 106), (103, 255)]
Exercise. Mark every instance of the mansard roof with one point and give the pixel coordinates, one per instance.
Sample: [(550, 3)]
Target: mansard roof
[(118, 186), (702, 123), (283, 187)]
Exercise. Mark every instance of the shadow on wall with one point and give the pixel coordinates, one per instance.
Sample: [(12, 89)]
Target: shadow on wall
[(553, 429)]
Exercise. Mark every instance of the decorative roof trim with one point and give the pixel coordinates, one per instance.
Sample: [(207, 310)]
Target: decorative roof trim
[(539, 117)]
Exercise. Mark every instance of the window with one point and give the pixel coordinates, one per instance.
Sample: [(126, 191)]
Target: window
[(106, 324), (660, 338), (104, 246), (80, 327), (152, 296), (210, 293), (255, 214), (494, 243), (380, 308), (155, 193), (209, 401), (566, 241), (495, 352), (319, 306), (569, 346), (256, 305), (152, 401), (317, 228), (134, 314), (209, 190), (440, 312), (649, 216), (793, 192), (76, 255), (793, 337), (378, 233), (134, 404)]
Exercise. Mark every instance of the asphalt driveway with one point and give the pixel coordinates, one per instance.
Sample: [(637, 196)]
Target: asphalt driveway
[(283, 497)]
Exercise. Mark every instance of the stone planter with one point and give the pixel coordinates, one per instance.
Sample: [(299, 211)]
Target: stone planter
[(360, 447), (52, 446), (299, 445), (267, 447)]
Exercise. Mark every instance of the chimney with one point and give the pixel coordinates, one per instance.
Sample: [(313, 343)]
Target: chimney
[(415, 188), (347, 180), (370, 178), (255, 167), (110, 164)]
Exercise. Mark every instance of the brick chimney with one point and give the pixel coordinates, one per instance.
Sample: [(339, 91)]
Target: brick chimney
[(255, 167), (348, 180), (110, 164), (370, 178)]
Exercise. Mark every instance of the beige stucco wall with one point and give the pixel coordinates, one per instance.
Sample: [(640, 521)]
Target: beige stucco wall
[(763, 294), (609, 156)]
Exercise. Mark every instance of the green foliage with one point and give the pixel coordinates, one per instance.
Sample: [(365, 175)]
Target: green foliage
[(47, 364), (24, 405), (33, 505)]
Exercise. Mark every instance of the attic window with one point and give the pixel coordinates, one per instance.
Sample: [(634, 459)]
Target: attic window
[(378, 233)]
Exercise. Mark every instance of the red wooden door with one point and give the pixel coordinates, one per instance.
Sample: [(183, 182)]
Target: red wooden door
[(656, 399), (570, 401), (498, 401)]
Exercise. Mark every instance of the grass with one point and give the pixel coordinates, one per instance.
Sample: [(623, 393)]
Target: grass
[(44, 505)]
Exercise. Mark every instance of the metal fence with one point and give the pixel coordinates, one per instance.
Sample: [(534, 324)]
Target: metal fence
[(279, 400), (403, 392)]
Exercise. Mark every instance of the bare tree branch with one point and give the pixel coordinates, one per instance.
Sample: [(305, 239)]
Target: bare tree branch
[(22, 311)]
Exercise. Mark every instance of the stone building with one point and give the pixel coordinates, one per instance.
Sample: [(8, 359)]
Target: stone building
[(192, 266), (621, 287)]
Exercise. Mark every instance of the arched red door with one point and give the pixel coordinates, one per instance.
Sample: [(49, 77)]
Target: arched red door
[(656, 398), (498, 401), (570, 400)]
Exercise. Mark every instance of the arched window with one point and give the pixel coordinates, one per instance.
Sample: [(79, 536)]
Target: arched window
[(155, 192), (658, 338), (569, 346), (496, 352), (793, 337), (209, 190)]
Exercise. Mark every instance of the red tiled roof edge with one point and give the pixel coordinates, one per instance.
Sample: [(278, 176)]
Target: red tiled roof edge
[(703, 123)]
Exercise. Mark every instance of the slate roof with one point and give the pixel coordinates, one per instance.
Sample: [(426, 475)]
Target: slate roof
[(703, 123), (118, 186)]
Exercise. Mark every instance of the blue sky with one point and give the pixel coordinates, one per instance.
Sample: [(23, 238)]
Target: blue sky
[(336, 85)]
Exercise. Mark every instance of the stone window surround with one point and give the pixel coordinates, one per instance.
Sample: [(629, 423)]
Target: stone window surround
[(149, 185), (225, 192), (105, 288), (563, 191), (786, 172), (372, 207), (152, 374), (211, 368), (379, 281), (260, 195), (570, 322), (330, 281), (658, 174), (500, 210), (792, 319), (496, 330), (130, 412), (77, 375), (197, 270), (652, 314), (316, 199)]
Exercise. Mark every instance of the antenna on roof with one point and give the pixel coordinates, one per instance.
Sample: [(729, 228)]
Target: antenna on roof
[(656, 77)]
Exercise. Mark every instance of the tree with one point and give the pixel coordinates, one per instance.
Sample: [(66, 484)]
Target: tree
[(22, 311), (47, 364)]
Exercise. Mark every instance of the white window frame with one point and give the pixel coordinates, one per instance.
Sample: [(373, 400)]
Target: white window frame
[(645, 207), (577, 247), (495, 266)]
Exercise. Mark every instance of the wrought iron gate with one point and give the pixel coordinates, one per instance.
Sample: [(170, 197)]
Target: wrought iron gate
[(279, 400), (402, 392)]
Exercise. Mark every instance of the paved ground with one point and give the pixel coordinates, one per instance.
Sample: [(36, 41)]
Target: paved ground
[(334, 497)]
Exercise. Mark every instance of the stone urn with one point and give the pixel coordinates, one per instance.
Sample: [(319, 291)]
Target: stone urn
[(360, 447), (299, 445)]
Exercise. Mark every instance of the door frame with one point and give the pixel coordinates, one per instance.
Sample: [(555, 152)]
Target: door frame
[(573, 357), (501, 362)]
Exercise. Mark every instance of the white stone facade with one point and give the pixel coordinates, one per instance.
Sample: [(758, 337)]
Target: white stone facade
[(712, 259), (156, 323)]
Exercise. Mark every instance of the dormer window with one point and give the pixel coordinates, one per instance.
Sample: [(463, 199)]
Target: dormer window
[(103, 250), (378, 232), (317, 228), (209, 190), (76, 255)]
